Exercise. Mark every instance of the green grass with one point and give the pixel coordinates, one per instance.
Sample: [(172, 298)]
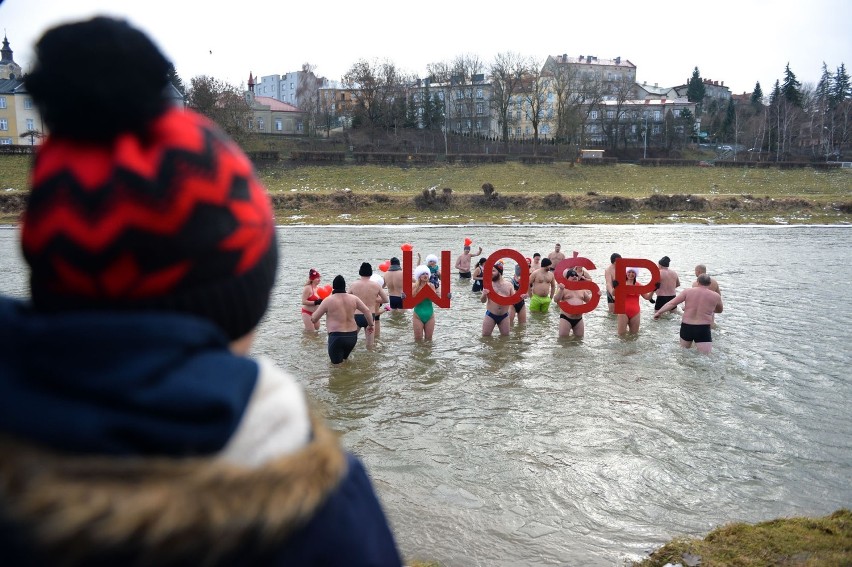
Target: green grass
[(515, 178), (371, 194), (825, 541)]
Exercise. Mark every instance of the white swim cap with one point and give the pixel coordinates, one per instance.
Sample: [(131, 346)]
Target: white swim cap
[(431, 258)]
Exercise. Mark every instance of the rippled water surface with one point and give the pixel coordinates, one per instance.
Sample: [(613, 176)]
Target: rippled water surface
[(531, 450)]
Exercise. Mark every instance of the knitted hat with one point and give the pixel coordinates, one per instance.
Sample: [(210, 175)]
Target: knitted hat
[(394, 261), (499, 267), (545, 262), (313, 275), (431, 258), (163, 216), (665, 261), (338, 285), (366, 270)]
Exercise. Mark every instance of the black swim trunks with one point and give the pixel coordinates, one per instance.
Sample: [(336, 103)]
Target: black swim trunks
[(695, 333), (519, 306), (360, 320), (609, 298), (477, 285), (340, 344), (395, 302), (662, 300), (464, 275), (573, 322)]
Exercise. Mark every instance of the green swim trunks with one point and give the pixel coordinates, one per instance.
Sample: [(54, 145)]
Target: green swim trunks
[(539, 303)]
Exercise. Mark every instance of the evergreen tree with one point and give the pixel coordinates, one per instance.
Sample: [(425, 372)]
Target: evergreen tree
[(824, 90), (411, 113), (175, 79), (695, 90), (729, 122), (841, 89), (437, 119), (791, 88), (776, 93), (757, 95)]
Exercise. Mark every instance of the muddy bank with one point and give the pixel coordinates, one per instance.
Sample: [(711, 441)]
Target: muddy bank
[(12, 204), (444, 200)]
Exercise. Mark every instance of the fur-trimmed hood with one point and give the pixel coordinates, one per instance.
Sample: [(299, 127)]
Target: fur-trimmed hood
[(159, 511)]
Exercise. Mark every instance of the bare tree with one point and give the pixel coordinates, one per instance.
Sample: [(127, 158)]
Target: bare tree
[(374, 86), (222, 103), (441, 74), (613, 118), (507, 71), (576, 95), (536, 89), (307, 95), (465, 69)]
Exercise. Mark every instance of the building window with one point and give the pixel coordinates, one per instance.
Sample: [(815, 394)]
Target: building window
[(610, 114), (593, 115), (250, 124), (300, 126), (479, 124), (30, 124), (676, 113), (480, 108), (260, 124), (655, 129), (278, 125), (479, 93), (6, 141), (4, 124), (2, 102)]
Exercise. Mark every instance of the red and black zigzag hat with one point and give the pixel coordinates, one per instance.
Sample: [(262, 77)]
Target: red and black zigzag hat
[(173, 220)]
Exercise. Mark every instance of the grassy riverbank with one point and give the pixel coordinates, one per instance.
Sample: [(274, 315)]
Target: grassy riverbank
[(812, 542), (789, 542), (556, 193)]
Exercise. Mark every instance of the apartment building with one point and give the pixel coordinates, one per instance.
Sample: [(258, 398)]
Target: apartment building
[(464, 104)]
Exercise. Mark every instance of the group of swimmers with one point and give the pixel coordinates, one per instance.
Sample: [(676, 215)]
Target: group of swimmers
[(371, 295)]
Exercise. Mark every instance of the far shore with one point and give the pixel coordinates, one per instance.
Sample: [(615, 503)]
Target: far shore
[(514, 193)]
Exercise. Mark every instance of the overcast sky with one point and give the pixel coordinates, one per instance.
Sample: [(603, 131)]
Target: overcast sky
[(739, 42)]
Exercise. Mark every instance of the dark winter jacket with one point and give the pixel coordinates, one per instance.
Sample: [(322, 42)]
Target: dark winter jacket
[(140, 439)]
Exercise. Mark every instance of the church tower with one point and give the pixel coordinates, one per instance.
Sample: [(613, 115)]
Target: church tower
[(8, 68)]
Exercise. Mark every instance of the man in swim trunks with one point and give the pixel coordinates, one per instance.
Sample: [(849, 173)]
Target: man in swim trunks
[(373, 296), (702, 304), (609, 276), (393, 281), (569, 322), (496, 315), (556, 256), (714, 285), (339, 309), (542, 287), (669, 282), (463, 262), (702, 269), (536, 262)]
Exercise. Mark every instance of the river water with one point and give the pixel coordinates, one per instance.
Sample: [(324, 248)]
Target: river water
[(531, 450)]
